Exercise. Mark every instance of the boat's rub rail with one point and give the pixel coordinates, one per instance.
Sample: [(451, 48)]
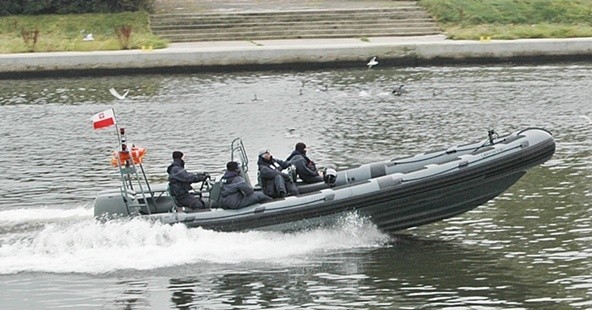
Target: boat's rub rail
[(476, 147), (329, 195), (390, 181), (448, 161), (509, 139), (430, 156), (482, 150), (377, 170), (534, 128), (463, 161)]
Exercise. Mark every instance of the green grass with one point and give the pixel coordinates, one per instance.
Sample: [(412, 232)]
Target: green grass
[(460, 19), (512, 19), (63, 32)]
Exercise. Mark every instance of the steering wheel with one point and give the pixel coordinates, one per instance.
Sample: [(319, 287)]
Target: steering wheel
[(206, 183)]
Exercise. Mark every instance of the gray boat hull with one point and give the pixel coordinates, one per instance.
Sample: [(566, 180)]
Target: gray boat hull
[(395, 194)]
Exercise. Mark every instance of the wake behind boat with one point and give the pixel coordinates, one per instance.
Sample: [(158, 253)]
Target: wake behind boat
[(394, 194)]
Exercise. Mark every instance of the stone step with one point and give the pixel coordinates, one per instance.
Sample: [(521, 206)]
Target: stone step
[(163, 6), (308, 27), (292, 12), (198, 36), (300, 25), (327, 12), (303, 15), (194, 37), (402, 20), (301, 19), (199, 20)]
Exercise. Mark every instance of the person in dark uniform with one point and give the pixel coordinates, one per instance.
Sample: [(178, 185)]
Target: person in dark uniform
[(235, 191), (274, 182), (305, 168), (180, 183)]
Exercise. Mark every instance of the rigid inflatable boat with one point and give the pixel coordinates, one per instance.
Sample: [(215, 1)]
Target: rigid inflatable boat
[(394, 194)]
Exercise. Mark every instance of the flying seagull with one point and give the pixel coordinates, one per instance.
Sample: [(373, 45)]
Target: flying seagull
[(117, 95), (372, 62)]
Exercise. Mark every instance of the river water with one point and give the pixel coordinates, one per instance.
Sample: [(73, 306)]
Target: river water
[(529, 248)]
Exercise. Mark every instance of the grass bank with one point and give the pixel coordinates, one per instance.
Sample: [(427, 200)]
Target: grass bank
[(50, 33), (512, 19), (460, 19)]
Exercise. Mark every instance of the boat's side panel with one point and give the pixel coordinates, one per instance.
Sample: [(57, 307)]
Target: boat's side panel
[(485, 176), (399, 212), (110, 204)]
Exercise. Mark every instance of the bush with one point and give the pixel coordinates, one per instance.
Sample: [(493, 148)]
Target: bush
[(36, 7)]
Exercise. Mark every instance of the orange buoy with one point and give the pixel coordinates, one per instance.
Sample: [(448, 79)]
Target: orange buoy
[(137, 155)]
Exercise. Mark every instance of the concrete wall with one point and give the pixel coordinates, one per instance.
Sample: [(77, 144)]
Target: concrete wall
[(296, 54)]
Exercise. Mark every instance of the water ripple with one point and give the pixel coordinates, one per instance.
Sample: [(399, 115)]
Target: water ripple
[(528, 248)]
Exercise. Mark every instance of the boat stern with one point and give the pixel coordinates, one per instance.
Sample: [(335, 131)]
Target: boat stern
[(111, 204)]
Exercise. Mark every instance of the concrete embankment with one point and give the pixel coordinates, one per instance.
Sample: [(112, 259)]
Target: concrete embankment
[(294, 54)]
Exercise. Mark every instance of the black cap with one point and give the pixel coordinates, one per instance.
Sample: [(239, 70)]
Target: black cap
[(177, 155), (232, 166), (300, 146)]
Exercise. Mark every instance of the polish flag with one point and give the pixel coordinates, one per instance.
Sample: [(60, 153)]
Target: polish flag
[(103, 119)]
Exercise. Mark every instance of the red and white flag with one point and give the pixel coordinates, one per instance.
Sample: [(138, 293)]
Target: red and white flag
[(103, 119)]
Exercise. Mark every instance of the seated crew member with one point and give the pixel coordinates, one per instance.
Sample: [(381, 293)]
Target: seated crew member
[(274, 182), (305, 168), (180, 184), (235, 191)]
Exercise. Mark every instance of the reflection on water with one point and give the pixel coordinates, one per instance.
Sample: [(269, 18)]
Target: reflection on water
[(528, 248)]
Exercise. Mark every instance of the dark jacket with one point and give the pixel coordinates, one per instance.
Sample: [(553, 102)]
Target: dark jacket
[(305, 168), (233, 189), (269, 169), (180, 180), (273, 180)]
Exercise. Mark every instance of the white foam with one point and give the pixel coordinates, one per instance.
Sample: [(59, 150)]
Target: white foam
[(45, 214), (88, 246)]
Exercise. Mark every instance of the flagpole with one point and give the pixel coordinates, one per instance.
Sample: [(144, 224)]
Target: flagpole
[(127, 166), (117, 129)]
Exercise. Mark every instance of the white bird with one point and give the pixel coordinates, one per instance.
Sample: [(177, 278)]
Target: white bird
[(117, 95), (88, 37), (372, 62)]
